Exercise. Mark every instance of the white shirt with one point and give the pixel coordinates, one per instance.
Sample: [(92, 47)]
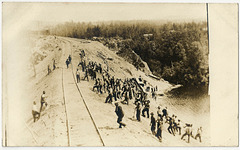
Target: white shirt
[(34, 108), (159, 111), (199, 131), (43, 98)]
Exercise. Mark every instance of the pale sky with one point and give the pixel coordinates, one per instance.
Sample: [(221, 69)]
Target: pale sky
[(61, 12)]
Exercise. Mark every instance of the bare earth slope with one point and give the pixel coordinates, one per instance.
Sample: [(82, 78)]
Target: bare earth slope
[(77, 116)]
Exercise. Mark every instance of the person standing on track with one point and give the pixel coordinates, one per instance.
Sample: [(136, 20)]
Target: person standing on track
[(84, 65), (86, 74), (49, 70), (100, 68), (83, 53), (138, 111), (81, 57), (159, 128), (54, 64), (146, 108), (43, 100), (78, 75), (120, 114), (153, 124), (100, 86), (109, 97), (126, 99), (170, 127), (179, 127), (67, 63), (165, 113), (137, 98), (69, 59), (159, 112), (96, 84)]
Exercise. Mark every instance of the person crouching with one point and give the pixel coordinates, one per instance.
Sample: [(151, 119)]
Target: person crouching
[(35, 112)]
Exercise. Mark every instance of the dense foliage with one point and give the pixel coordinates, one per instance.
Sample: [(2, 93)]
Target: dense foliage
[(178, 52)]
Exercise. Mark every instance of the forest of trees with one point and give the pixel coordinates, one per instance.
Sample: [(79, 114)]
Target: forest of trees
[(177, 52)]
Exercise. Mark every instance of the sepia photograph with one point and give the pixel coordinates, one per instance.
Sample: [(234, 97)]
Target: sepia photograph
[(106, 74)]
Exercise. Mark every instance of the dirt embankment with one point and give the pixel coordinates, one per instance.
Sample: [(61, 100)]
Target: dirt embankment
[(51, 129), (117, 45)]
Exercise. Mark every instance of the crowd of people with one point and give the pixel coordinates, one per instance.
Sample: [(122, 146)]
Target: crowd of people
[(123, 91), (129, 89)]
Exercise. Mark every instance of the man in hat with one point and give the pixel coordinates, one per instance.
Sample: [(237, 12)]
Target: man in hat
[(153, 124), (188, 132), (137, 98), (159, 128), (179, 127), (170, 127), (120, 114), (146, 108), (138, 110), (165, 114)]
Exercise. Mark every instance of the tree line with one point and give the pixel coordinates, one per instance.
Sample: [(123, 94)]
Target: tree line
[(177, 52)]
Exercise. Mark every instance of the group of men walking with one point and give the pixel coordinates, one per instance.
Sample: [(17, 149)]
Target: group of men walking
[(123, 91), (174, 125)]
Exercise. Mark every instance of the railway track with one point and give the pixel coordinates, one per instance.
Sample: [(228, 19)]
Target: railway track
[(81, 121), (81, 127)]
